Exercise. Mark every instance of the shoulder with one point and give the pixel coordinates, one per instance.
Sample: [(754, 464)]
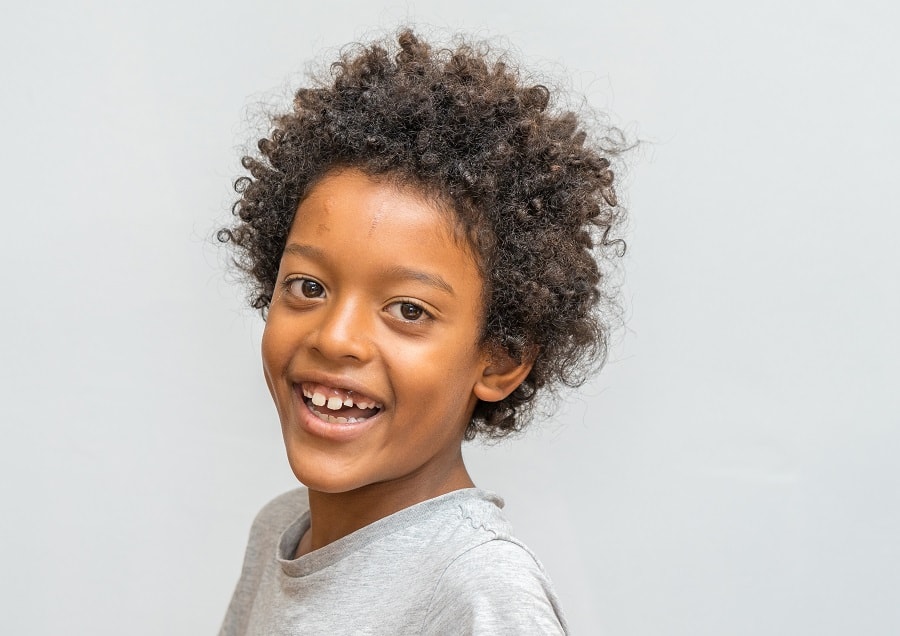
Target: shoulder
[(269, 524), (281, 511), (496, 587)]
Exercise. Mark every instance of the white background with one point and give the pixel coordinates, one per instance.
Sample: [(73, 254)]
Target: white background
[(732, 471)]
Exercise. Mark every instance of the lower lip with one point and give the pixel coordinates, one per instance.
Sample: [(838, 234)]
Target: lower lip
[(336, 431)]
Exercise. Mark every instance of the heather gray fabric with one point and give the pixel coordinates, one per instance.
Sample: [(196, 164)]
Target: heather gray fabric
[(445, 566)]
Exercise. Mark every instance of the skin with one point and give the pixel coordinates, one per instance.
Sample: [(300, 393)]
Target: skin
[(376, 295)]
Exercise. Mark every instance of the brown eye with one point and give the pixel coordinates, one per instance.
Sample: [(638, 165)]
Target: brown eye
[(410, 311), (306, 287)]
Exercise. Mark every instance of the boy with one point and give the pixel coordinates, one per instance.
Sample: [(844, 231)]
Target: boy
[(420, 234)]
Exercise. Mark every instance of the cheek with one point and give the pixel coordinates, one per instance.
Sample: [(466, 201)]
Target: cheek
[(446, 376), (277, 347)]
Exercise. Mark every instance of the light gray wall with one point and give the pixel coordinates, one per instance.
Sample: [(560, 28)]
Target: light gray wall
[(732, 471)]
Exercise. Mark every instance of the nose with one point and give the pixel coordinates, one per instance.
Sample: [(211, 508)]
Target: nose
[(343, 331)]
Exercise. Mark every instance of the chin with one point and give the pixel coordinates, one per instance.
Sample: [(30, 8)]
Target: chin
[(324, 474)]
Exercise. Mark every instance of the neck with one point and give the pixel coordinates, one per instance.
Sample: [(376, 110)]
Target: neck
[(336, 515)]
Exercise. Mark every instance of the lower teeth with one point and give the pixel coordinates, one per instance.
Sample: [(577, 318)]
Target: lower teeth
[(332, 419)]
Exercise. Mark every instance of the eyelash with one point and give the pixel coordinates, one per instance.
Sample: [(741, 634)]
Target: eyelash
[(288, 283), (424, 314)]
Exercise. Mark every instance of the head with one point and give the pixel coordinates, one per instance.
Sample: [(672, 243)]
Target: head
[(520, 185)]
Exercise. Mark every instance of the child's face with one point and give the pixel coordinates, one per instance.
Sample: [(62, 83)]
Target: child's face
[(378, 303)]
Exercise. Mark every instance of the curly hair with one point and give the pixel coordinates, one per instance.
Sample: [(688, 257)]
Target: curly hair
[(531, 193)]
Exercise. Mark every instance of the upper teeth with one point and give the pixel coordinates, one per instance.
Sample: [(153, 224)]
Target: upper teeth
[(334, 402)]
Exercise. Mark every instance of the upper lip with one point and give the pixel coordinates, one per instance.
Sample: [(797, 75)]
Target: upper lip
[(343, 383)]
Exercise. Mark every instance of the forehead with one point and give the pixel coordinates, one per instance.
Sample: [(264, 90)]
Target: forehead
[(350, 214), (351, 187)]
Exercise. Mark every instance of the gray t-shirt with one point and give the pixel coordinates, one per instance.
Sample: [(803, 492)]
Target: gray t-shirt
[(448, 565)]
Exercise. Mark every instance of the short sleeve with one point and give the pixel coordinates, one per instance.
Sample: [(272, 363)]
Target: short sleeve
[(495, 588)]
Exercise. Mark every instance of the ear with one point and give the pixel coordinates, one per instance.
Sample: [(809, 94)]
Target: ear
[(501, 374)]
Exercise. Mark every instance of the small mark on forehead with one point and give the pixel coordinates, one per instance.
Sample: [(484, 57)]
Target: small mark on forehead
[(376, 219)]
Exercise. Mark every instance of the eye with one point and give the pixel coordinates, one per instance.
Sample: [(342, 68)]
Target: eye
[(407, 311), (305, 288)]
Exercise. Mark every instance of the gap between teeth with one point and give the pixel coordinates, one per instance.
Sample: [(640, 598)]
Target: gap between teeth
[(334, 403)]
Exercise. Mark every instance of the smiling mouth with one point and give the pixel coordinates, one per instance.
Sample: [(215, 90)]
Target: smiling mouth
[(337, 406)]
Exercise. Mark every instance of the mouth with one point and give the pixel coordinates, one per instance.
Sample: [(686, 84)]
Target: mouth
[(338, 406)]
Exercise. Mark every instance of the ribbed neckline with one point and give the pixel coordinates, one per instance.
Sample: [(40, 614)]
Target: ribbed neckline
[(343, 547)]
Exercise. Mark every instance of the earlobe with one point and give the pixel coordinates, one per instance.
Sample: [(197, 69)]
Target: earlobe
[(501, 376)]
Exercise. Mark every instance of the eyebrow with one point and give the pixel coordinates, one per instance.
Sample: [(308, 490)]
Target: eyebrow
[(308, 251), (398, 271), (432, 280)]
